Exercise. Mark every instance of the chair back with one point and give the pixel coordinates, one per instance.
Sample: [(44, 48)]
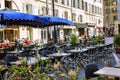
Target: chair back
[(46, 52), (90, 69), (9, 59), (62, 78)]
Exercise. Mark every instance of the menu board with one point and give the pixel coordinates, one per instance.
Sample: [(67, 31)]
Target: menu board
[(109, 40)]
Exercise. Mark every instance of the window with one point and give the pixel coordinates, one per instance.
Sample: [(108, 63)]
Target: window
[(107, 11), (8, 4), (92, 8), (106, 18), (115, 18), (86, 9), (56, 1), (100, 11), (78, 3), (43, 10), (27, 8), (114, 3), (106, 3), (42, 34), (63, 2), (114, 10), (67, 2), (95, 9), (99, 21), (66, 14), (80, 18), (73, 17), (73, 3), (39, 12), (56, 12), (0, 5), (82, 5)]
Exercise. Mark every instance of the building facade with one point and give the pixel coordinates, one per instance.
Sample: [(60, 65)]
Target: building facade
[(87, 16), (111, 12)]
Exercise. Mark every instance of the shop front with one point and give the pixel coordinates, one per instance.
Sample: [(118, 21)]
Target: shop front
[(91, 31), (81, 28), (9, 33)]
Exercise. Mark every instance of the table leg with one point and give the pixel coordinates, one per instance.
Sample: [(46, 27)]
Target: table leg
[(117, 78)]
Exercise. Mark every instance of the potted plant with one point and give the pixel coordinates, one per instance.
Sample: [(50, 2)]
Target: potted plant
[(96, 40), (117, 43), (73, 39)]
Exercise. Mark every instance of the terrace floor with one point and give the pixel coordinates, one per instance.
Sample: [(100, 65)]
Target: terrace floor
[(100, 64)]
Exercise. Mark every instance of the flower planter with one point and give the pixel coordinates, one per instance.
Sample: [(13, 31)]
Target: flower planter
[(117, 49)]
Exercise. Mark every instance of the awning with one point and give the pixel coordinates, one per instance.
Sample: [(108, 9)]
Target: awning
[(90, 24), (53, 20), (80, 25), (99, 27), (9, 17)]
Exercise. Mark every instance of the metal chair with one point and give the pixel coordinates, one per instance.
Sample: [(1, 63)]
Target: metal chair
[(90, 69), (62, 78), (45, 53), (9, 59)]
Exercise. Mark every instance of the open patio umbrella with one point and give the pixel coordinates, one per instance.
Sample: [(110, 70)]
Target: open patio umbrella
[(8, 17), (53, 20)]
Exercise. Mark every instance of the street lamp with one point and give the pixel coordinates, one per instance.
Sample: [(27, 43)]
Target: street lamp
[(48, 34), (46, 7), (15, 5), (54, 34)]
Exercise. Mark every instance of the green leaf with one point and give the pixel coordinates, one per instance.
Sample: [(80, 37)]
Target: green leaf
[(73, 39)]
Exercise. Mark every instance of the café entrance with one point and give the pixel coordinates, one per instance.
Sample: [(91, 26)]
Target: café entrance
[(10, 33)]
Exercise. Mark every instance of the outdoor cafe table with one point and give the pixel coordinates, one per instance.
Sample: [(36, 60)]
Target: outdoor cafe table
[(36, 49), (100, 45), (14, 52), (109, 71), (58, 54), (30, 61), (78, 50)]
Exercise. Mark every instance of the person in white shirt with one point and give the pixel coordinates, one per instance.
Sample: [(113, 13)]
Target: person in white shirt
[(7, 41)]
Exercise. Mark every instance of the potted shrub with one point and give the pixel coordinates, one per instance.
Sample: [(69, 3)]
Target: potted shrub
[(117, 43), (73, 39), (96, 40)]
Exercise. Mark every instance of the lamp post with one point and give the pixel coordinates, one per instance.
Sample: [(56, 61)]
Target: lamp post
[(15, 5), (48, 34), (46, 7), (54, 33)]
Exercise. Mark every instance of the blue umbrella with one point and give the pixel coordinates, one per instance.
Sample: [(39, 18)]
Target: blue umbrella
[(53, 20), (17, 18)]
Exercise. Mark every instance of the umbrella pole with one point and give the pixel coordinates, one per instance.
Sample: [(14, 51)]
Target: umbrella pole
[(42, 36), (55, 36)]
